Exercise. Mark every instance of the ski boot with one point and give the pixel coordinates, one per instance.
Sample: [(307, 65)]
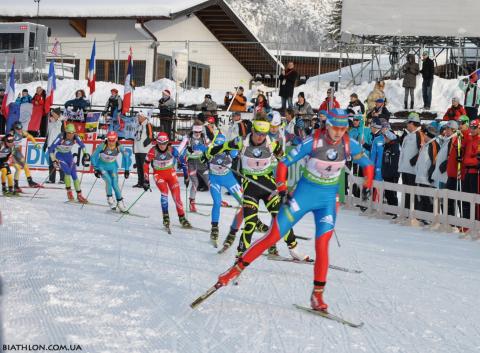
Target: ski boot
[(80, 197), (111, 203), (184, 222), (232, 273), (316, 300), (261, 227), (166, 220), (11, 191), (70, 195), (32, 184), (193, 207), (295, 254), (4, 188), (16, 188), (214, 235), (230, 238), (273, 251), (121, 206)]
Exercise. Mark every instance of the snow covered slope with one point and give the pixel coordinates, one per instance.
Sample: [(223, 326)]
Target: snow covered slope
[(74, 276)]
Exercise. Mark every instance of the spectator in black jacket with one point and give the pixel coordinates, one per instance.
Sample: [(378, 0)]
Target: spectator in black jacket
[(287, 84), (167, 106), (390, 158), (379, 111), (2, 118), (79, 103), (114, 104), (427, 71), (355, 106)]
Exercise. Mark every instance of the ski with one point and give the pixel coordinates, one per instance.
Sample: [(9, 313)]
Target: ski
[(42, 187), (192, 228), (223, 249), (201, 213), (329, 316), (309, 261), (167, 229), (211, 204), (214, 243), (205, 295), (128, 213)]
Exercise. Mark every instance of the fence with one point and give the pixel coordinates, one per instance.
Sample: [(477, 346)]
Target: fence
[(439, 219)]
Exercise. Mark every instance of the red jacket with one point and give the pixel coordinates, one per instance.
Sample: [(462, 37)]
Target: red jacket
[(326, 103), (454, 113), (453, 155), (472, 150)]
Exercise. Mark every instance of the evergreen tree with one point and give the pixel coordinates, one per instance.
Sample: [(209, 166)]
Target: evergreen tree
[(334, 21)]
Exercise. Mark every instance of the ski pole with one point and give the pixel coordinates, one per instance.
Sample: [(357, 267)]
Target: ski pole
[(89, 192), (41, 185), (123, 183), (261, 186), (133, 204), (336, 237)]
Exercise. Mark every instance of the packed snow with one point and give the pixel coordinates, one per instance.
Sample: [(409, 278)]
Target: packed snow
[(315, 92), (77, 276)]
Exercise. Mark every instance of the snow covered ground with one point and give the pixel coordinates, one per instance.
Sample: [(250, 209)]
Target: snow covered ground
[(74, 276)]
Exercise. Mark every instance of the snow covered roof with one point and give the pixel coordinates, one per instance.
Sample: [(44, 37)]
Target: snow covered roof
[(315, 54), (95, 8)]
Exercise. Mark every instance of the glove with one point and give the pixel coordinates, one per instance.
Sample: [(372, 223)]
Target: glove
[(285, 197), (186, 181), (146, 186), (85, 158), (366, 193), (126, 174), (203, 158), (56, 164), (97, 173), (413, 160)]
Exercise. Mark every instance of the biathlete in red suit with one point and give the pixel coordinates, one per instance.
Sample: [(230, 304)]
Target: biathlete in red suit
[(162, 157), (325, 154)]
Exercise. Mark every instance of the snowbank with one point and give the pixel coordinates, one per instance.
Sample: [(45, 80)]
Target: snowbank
[(443, 91)]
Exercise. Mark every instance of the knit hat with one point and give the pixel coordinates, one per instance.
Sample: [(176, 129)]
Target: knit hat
[(452, 124), (464, 119), (358, 117), (57, 111), (337, 117), (475, 123), (413, 118), (167, 92), (431, 131), (114, 90), (380, 100)]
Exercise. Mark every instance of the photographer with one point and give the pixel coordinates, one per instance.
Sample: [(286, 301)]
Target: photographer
[(166, 105), (239, 103)]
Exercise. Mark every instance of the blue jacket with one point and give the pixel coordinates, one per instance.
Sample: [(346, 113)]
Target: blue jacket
[(376, 155), (26, 99), (356, 134), (77, 104)]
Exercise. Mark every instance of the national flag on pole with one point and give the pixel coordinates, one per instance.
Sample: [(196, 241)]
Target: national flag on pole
[(92, 76), (9, 92), (127, 91), (55, 47), (474, 76), (51, 86)]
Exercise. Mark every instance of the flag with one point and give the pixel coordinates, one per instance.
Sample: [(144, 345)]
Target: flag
[(92, 76), (127, 90), (474, 76), (51, 86), (9, 92), (55, 47)]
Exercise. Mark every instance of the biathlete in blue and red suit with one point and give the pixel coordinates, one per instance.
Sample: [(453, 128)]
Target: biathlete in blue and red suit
[(326, 153)]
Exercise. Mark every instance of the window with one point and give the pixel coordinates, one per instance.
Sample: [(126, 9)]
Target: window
[(105, 71), (198, 74), (11, 41), (31, 40)]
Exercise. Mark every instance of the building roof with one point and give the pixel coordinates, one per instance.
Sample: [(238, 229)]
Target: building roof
[(216, 15)]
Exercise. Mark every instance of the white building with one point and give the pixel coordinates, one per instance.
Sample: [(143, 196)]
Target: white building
[(223, 53)]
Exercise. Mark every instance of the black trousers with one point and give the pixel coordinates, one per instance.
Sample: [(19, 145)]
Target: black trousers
[(2, 124), (425, 203), (408, 179), (452, 185), (471, 185), (391, 195), (139, 161), (472, 112), (252, 194), (357, 171)]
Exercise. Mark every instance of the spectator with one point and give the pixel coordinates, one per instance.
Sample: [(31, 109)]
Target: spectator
[(375, 95), (471, 166), (37, 121), (410, 70), (472, 98), (261, 105), (141, 145), (355, 106), (426, 165), (330, 102), (24, 97), (390, 159), (455, 110), (413, 140), (239, 127), (379, 111), (211, 129), (287, 79), (302, 107), (427, 71), (208, 108), (114, 104), (2, 118), (79, 102), (464, 125), (239, 103), (167, 106), (54, 129), (377, 146), (295, 130), (440, 172)]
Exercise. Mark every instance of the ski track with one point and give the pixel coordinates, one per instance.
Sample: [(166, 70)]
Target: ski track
[(77, 276)]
